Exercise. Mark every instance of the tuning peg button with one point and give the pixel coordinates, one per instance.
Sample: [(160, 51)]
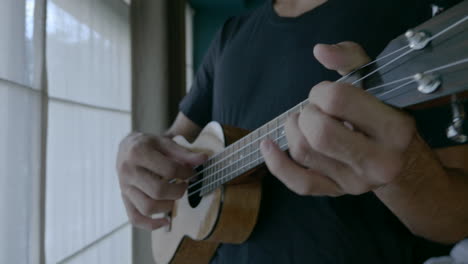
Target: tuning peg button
[(427, 83), (457, 131), (417, 39)]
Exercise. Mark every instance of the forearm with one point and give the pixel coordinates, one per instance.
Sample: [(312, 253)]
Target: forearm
[(184, 127), (432, 201)]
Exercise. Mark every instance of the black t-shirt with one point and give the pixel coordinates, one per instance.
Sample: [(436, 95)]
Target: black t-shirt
[(260, 65)]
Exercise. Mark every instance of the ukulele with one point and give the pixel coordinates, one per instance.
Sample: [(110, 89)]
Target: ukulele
[(426, 66)]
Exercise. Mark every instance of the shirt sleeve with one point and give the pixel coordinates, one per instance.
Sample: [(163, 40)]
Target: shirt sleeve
[(197, 105)]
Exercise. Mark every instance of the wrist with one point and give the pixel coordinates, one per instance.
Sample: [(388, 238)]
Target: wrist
[(419, 163)]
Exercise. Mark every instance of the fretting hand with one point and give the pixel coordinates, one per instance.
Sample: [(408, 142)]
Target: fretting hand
[(345, 141)]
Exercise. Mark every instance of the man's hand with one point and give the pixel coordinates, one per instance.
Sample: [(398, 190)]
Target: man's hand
[(145, 164), (345, 141)]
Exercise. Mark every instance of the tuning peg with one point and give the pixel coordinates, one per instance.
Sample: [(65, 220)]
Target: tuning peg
[(417, 40), (427, 83), (457, 130)]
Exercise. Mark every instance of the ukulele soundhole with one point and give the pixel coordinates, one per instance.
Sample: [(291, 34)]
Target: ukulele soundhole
[(194, 190)]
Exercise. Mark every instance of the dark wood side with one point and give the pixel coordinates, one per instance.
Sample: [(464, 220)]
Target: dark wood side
[(239, 213), (241, 200), (231, 135), (194, 252), (238, 216), (438, 102)]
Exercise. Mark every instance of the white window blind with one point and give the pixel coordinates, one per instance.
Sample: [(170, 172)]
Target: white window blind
[(88, 66), (20, 131), (64, 106)]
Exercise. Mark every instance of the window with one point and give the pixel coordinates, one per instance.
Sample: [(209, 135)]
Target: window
[(189, 71), (20, 131), (65, 90)]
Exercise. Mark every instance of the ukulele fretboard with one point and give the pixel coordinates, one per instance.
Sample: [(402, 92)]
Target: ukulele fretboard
[(244, 154)]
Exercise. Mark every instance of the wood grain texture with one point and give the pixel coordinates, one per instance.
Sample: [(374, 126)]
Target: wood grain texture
[(192, 252), (227, 215), (450, 47), (231, 135), (196, 223), (239, 213)]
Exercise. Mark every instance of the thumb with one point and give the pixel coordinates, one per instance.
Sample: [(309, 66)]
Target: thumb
[(182, 154), (343, 57)]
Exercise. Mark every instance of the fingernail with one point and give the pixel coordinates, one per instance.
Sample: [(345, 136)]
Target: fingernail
[(335, 46)]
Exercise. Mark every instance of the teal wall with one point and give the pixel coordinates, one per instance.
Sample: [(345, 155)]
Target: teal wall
[(209, 17)]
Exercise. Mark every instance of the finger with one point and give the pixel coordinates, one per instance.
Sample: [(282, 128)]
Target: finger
[(141, 221), (181, 154), (337, 171), (146, 205), (364, 111), (343, 57), (331, 138), (156, 162), (156, 187), (304, 154), (300, 180), (299, 149)]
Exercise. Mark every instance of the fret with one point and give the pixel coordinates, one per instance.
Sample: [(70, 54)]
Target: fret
[(241, 154), (241, 158), (245, 164), (252, 143), (245, 154), (295, 109), (218, 171), (265, 132), (239, 145), (276, 133), (209, 172), (259, 158), (229, 162), (235, 158), (247, 150), (205, 174), (212, 178), (257, 152), (258, 133), (282, 140), (262, 131), (250, 152), (220, 167), (282, 118), (270, 129)]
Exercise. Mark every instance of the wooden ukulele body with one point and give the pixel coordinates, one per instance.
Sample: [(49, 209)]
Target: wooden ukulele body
[(226, 215)]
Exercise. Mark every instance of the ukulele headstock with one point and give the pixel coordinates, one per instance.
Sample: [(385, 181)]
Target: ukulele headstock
[(425, 67)]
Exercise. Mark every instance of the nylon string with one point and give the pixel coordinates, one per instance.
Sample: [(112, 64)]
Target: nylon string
[(283, 136), (207, 178)]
